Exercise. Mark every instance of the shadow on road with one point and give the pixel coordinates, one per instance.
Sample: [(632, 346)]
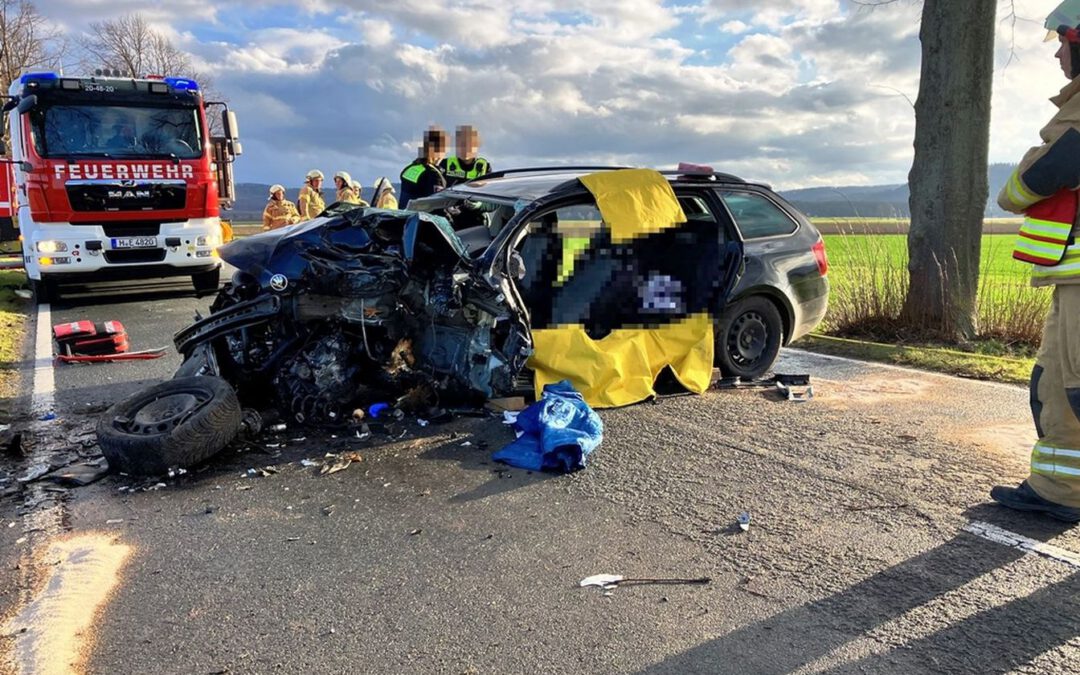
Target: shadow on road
[(994, 640), (477, 457), (111, 293)]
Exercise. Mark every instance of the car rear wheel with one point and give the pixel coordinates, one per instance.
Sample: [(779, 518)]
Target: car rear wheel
[(748, 338)]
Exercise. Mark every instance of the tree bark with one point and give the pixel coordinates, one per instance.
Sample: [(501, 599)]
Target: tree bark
[(948, 178)]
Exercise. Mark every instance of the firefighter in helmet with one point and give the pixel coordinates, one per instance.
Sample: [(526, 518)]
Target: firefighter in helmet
[(384, 197), (345, 190), (279, 211), (1043, 188), (311, 202)]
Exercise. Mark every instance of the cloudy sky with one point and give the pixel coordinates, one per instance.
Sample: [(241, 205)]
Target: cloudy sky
[(796, 93)]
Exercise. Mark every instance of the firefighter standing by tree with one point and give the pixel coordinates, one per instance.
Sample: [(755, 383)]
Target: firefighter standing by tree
[(279, 211), (465, 165), (1043, 188), (311, 202), (422, 177)]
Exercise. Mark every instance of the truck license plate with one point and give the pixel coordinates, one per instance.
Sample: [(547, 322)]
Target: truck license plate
[(134, 242)]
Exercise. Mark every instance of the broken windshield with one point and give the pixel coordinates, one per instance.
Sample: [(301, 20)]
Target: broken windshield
[(117, 131)]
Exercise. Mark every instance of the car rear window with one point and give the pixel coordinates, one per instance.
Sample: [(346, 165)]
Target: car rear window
[(756, 216)]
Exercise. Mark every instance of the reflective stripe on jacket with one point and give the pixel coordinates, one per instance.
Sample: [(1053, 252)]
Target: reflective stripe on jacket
[(1044, 172)]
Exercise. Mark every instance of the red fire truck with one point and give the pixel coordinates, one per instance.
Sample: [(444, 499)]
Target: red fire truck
[(118, 178)]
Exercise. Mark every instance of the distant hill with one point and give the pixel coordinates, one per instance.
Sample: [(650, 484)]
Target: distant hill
[(851, 201), (880, 201)]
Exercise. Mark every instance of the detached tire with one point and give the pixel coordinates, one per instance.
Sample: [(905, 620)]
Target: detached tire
[(748, 338), (178, 423), (206, 282)]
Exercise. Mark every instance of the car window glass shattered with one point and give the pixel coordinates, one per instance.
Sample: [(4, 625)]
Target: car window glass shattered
[(756, 216)]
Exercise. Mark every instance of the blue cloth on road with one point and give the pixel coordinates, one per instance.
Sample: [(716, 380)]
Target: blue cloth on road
[(558, 432)]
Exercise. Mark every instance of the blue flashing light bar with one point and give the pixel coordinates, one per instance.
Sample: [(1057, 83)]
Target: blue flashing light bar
[(38, 76), (182, 84)]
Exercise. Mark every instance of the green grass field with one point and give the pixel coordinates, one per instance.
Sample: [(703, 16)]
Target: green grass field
[(869, 282)]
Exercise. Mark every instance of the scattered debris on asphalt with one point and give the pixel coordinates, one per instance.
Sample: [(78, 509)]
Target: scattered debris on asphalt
[(558, 432), (610, 581), (795, 388), (744, 521), (34, 472), (339, 462), (80, 474)]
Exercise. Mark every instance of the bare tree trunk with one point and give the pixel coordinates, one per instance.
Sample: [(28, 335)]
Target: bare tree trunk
[(948, 176)]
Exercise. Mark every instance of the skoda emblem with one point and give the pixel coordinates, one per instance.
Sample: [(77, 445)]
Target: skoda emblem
[(279, 282)]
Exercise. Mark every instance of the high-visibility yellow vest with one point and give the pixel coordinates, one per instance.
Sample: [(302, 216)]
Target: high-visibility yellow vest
[(455, 170)]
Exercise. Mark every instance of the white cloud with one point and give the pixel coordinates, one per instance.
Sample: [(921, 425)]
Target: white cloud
[(793, 92)]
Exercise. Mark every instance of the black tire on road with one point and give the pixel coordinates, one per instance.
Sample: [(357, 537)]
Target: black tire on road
[(178, 423), (748, 337), (206, 282), (45, 290)]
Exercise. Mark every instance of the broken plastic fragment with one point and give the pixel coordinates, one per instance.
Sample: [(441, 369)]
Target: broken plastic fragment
[(744, 521), (422, 422), (114, 521), (48, 417), (601, 580), (308, 462), (33, 473), (377, 409)]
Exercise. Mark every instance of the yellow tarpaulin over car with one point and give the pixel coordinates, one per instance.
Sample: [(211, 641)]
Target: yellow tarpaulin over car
[(621, 367), (634, 202)]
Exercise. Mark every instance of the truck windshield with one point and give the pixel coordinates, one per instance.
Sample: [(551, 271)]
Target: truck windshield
[(116, 131)]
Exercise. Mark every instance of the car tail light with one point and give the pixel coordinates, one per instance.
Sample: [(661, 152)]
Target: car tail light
[(820, 256)]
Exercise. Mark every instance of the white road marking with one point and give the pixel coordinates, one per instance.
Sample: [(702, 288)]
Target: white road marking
[(1018, 541), (44, 377)]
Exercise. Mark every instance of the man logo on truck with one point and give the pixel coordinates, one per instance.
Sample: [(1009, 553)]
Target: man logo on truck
[(129, 194)]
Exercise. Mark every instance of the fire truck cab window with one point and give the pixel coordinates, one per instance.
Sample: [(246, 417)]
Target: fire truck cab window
[(116, 131)]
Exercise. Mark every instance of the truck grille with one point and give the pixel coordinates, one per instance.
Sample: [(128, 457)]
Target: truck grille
[(126, 195), (138, 255)]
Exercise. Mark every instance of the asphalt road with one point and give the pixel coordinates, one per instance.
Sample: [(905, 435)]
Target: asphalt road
[(427, 557)]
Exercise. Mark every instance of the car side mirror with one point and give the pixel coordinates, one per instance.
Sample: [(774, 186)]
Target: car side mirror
[(516, 266), (9, 104), (26, 104)]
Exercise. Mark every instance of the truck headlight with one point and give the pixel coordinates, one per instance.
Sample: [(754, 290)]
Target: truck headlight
[(51, 246), (208, 240)]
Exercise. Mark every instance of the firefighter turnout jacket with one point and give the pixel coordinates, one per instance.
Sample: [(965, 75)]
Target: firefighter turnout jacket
[(1043, 189), (279, 214), (311, 203)]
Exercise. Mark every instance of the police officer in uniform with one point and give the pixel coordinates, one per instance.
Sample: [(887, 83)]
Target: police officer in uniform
[(423, 177), (311, 202), (279, 211), (465, 165)]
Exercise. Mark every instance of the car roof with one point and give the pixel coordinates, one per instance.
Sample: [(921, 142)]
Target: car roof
[(533, 183)]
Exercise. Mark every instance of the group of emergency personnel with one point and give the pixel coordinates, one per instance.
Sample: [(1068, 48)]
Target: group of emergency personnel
[(433, 170), (280, 212)]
